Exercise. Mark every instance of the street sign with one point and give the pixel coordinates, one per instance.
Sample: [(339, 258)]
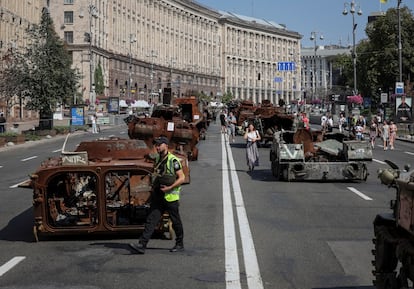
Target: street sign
[(286, 66), (384, 97), (399, 88)]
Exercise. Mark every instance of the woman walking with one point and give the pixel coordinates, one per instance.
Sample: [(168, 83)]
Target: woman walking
[(385, 134), (252, 152), (373, 132), (393, 134)]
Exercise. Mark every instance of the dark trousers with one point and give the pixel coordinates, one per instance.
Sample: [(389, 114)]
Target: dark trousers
[(158, 207), (2, 128)]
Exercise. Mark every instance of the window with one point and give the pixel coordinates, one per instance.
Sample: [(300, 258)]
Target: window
[(68, 36), (68, 2), (68, 18)]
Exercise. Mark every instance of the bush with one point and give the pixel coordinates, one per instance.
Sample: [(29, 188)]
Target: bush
[(62, 129), (9, 133)]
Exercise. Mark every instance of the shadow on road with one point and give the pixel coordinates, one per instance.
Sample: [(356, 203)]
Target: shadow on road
[(20, 228)]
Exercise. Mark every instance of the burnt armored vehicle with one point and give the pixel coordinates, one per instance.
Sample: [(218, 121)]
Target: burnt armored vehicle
[(394, 232), (182, 123), (103, 187), (305, 156)]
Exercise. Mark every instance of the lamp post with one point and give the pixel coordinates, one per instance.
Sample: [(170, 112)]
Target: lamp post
[(314, 81), (354, 26), (93, 13), (399, 40), (152, 55), (132, 39)]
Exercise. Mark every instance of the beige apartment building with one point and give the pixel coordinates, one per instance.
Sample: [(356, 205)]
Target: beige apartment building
[(158, 49), (15, 18)]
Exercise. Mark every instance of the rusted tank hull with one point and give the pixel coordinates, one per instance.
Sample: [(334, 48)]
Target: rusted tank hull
[(104, 187), (394, 233), (329, 171), (294, 156)]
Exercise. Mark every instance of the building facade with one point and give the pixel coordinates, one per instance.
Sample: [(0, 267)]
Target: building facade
[(15, 18), (150, 49), (318, 73)]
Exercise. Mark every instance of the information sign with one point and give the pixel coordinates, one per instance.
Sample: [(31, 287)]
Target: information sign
[(286, 66)]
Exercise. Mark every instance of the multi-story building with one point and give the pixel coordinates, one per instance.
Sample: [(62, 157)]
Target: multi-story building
[(318, 73), (15, 18), (149, 48)]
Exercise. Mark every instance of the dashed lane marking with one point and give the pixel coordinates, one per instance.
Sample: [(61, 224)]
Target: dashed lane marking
[(380, 162), (410, 153), (10, 264), (16, 185), (355, 191), (28, 159)]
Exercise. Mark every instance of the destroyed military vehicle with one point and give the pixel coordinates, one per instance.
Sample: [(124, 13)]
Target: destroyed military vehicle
[(102, 187), (316, 156), (394, 232), (182, 123)]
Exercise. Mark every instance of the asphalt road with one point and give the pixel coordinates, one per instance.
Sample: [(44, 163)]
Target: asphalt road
[(242, 230)]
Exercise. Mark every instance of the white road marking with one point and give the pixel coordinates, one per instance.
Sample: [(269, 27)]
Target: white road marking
[(1, 167), (16, 185), (355, 191), (28, 159), (232, 270), (10, 264), (58, 150), (410, 153), (380, 162), (254, 278)]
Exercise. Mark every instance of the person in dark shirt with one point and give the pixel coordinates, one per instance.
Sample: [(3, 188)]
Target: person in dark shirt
[(2, 123)]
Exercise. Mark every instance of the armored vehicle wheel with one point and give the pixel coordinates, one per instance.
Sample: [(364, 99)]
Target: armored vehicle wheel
[(385, 259), (276, 170)]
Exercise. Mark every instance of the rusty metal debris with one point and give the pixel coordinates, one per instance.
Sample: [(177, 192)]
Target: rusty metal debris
[(182, 123), (394, 231), (102, 187)]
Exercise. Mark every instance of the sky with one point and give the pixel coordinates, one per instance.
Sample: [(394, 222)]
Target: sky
[(305, 16)]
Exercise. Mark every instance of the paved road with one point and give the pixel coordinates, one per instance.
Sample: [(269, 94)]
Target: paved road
[(242, 230)]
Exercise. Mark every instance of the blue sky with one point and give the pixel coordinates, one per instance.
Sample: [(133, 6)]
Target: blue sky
[(305, 16)]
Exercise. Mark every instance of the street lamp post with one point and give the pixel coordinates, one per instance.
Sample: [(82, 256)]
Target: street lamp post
[(93, 13), (314, 80), (399, 40), (354, 26), (152, 55), (132, 39)]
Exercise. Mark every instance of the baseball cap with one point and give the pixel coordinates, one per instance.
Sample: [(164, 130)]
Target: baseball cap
[(161, 140)]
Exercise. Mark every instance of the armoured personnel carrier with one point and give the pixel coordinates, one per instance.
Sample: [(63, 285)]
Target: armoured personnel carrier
[(102, 187), (394, 232), (303, 155), (182, 123)]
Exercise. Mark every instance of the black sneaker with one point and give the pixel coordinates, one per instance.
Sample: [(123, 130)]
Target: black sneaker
[(177, 248), (138, 248)]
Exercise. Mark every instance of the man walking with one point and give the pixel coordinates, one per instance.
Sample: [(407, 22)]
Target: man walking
[(2, 123), (169, 176)]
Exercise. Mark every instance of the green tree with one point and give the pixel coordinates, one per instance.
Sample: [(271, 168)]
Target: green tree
[(42, 73), (227, 97), (379, 57), (99, 80)]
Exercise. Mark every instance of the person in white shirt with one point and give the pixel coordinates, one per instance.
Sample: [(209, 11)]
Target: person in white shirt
[(252, 136)]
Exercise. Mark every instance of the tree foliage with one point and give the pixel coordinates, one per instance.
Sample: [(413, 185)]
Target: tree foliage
[(99, 80), (42, 73), (380, 55)]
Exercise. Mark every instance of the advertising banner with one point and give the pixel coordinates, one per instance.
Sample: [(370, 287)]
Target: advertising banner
[(403, 107), (113, 105), (77, 115)]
